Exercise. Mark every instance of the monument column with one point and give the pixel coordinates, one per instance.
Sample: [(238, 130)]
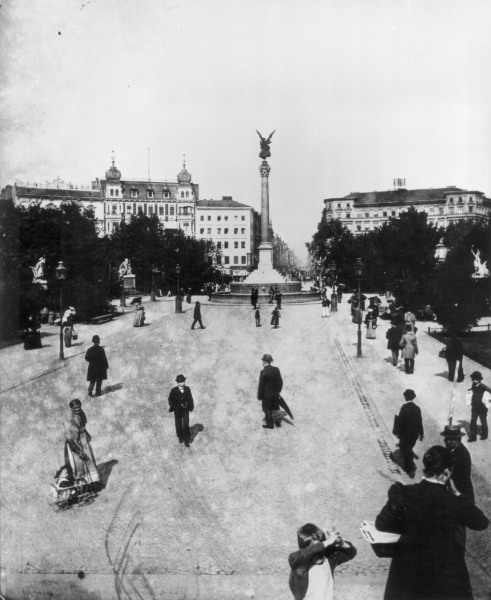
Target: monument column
[(266, 247)]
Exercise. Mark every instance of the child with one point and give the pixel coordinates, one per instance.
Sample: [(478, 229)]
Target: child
[(311, 574), (257, 315)]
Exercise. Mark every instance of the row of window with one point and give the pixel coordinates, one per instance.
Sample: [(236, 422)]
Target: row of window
[(225, 230), (225, 218), (225, 245), (134, 193), (226, 260), (440, 210)]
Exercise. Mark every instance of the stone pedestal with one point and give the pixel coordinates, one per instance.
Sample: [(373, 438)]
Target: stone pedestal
[(128, 282)]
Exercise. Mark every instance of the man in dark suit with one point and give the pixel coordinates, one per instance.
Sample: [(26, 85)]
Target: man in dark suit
[(409, 428), (478, 408), (461, 459), (98, 366), (181, 403), (269, 388)]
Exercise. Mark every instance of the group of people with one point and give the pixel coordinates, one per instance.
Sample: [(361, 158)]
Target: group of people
[(401, 337)]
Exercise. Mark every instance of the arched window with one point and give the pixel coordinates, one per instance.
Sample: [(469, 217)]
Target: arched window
[(187, 194), (182, 194), (111, 192)]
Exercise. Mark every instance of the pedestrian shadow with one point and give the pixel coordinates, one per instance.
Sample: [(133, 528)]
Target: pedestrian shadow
[(443, 374), (112, 388), (104, 471), (194, 430)]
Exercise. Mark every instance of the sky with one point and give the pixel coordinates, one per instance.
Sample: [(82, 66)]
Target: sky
[(359, 92)]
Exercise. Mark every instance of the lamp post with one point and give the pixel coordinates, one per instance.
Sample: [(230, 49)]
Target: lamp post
[(334, 296), (155, 271), (178, 295), (358, 273), (61, 276)]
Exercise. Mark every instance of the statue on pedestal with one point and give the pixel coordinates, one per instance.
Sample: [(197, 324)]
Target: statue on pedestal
[(125, 268), (265, 144), (480, 269), (38, 273)]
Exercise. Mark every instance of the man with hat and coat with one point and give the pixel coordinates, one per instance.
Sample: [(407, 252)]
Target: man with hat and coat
[(478, 408), (461, 459), (98, 366), (409, 428), (181, 403), (269, 388)]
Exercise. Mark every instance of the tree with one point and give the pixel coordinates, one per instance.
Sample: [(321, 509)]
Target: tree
[(55, 234), (459, 300)]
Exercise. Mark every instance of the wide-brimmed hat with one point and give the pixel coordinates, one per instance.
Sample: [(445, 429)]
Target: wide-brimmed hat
[(96, 338), (180, 378), (267, 357), (476, 375), (452, 432), (409, 394)]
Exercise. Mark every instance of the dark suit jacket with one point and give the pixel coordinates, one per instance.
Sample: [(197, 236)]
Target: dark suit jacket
[(180, 401), (454, 349), (461, 474), (98, 365), (270, 385), (410, 421), (429, 561)]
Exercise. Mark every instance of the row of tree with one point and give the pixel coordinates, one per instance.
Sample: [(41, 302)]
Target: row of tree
[(400, 257), (92, 262)]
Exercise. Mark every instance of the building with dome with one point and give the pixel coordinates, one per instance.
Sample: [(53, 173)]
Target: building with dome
[(174, 202), (115, 198)]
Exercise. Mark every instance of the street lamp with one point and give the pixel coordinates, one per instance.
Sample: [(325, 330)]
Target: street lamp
[(334, 296), (61, 276), (155, 271), (178, 295), (358, 273)]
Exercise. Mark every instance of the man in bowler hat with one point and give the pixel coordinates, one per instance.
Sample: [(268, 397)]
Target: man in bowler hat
[(478, 408), (409, 428), (269, 388), (462, 464), (181, 403), (98, 366)]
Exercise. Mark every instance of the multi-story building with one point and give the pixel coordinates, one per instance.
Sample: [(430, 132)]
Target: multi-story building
[(113, 198), (53, 194), (173, 202), (232, 227), (365, 211)]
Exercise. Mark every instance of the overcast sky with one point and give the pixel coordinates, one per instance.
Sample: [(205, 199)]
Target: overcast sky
[(359, 92)]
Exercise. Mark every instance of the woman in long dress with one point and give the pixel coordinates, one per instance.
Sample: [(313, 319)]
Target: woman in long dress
[(429, 562), (78, 451), (139, 318), (371, 323)]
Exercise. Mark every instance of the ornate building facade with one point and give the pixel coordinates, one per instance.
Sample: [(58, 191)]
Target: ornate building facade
[(365, 211)]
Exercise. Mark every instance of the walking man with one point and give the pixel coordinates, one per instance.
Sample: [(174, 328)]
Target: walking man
[(394, 336), (181, 403), (478, 408), (454, 353), (197, 316), (98, 366), (257, 316), (268, 391), (461, 459), (409, 428)]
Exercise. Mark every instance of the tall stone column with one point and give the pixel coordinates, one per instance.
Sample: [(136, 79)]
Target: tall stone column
[(266, 247)]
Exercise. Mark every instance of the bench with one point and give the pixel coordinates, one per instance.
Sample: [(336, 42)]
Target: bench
[(102, 318)]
